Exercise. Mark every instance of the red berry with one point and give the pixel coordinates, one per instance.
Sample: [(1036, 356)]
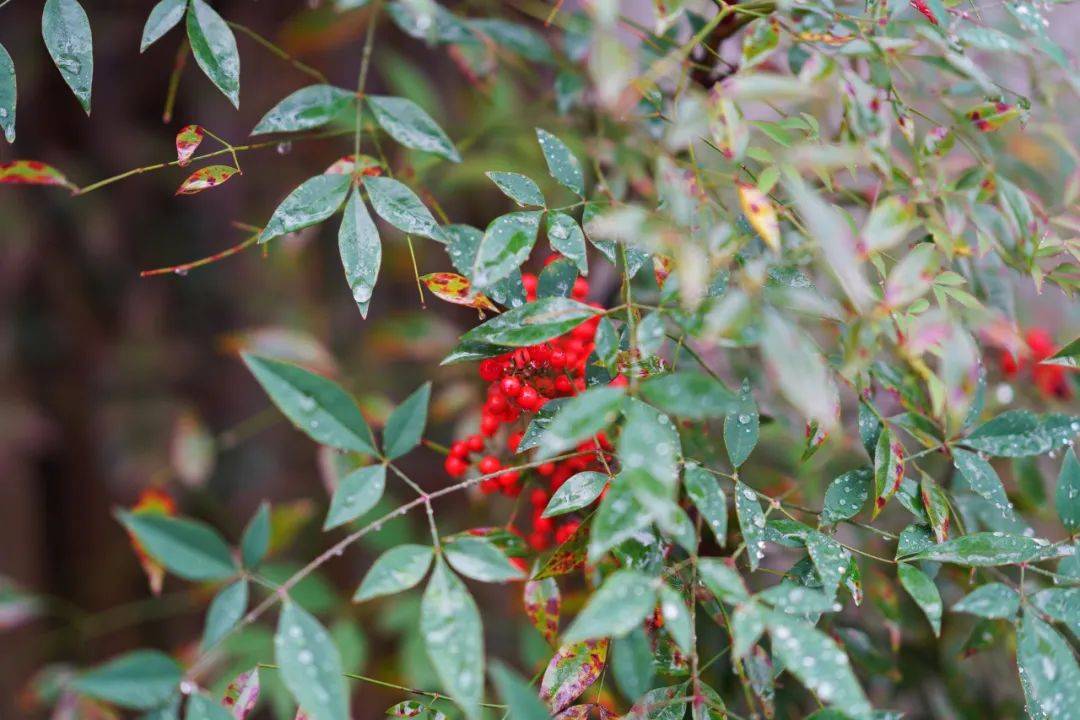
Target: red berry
[(546, 469), (538, 541), (455, 466), (489, 465), (543, 524), (528, 398), (475, 443), (538, 498), (558, 359), (489, 425), (459, 449), (564, 385), (488, 486), (508, 479), (619, 381), (490, 370), (520, 564), (581, 289), (513, 441), (511, 386)]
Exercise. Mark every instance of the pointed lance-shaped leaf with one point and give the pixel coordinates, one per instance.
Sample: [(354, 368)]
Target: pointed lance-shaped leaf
[(66, 30), (451, 630), (923, 591), (306, 109), (214, 47), (520, 698), (397, 569), (456, 289), (316, 199), (1067, 495), (242, 694), (561, 162), (187, 142), (310, 664), (804, 377), (571, 671), (205, 178), (519, 188), (406, 122), (361, 251), (225, 610), (533, 323), (188, 548), (356, 494), (8, 95), (761, 214), (140, 680), (32, 172), (164, 16), (398, 205), (543, 603), (505, 245), (616, 608), (406, 424)]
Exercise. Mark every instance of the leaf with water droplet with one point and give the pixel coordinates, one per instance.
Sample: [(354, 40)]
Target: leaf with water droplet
[(360, 250), (479, 559), (310, 664), (580, 417), (982, 478), (579, 491), (506, 244), (830, 558), (457, 289), (616, 608), (619, 516), (66, 30), (533, 323), (649, 443), (566, 237), (704, 490), (557, 279), (632, 664), (163, 17), (888, 469), (356, 494), (519, 188), (689, 394), (398, 205), (923, 591), (518, 695), (1020, 433), (397, 569), (315, 405), (571, 671), (723, 580), (316, 199), (562, 164), (214, 47), (676, 618), (141, 680), (225, 611), (1067, 494), (188, 548), (1048, 670), (202, 707), (936, 504), (187, 141), (992, 600), (8, 95), (306, 109), (205, 178), (751, 523), (451, 629), (846, 495), (406, 122), (741, 426), (804, 377), (986, 549), (1061, 604)]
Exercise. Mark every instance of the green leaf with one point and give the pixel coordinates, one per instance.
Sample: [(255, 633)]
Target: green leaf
[(8, 95), (395, 203), (923, 591), (616, 608), (747, 625), (846, 495), (1048, 671), (619, 516), (580, 417), (406, 424), (708, 497), (187, 548), (578, 492), (256, 538), (312, 202), (164, 16), (307, 108), (517, 38), (888, 469), (982, 479), (310, 664), (214, 48), (792, 598), (539, 424), (1020, 433), (66, 31), (649, 443), (992, 600), (571, 671), (936, 505), (506, 243), (751, 523), (451, 628), (225, 611), (360, 250), (677, 620), (1068, 356), (659, 704), (479, 559), (803, 376), (689, 394), (567, 237), (741, 426), (632, 664), (1067, 495), (140, 680), (986, 549), (356, 494), (406, 122), (517, 694), (314, 404), (557, 279), (203, 707), (831, 560), (723, 580), (397, 569), (1062, 604), (531, 324), (563, 166), (828, 673), (519, 188)]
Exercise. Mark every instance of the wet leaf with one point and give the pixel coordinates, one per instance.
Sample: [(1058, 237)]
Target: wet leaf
[(406, 424), (751, 523), (8, 95), (689, 394), (889, 223), (649, 445), (888, 469), (306, 109), (741, 426), (1062, 604), (532, 324), (256, 538), (519, 188), (310, 664), (451, 629), (140, 680), (562, 164), (578, 492), (356, 494), (187, 548), (395, 203), (226, 609), (566, 237), (456, 289), (831, 560), (542, 604), (571, 671), (506, 243), (397, 569), (480, 559), (1067, 356), (802, 373), (659, 704), (579, 418), (1067, 495), (619, 516), (202, 707), (517, 694), (32, 172), (361, 251), (936, 505), (1048, 670), (982, 479), (205, 178), (923, 591), (723, 580), (312, 202), (214, 48), (676, 618), (708, 497), (242, 694), (406, 122), (986, 549), (315, 405), (1020, 433), (911, 277), (616, 608), (66, 31), (632, 664), (992, 600), (164, 16), (761, 214), (846, 496)]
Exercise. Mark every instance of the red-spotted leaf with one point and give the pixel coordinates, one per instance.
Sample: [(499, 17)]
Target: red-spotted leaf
[(355, 165), (761, 215), (187, 141), (542, 604), (990, 116), (155, 502), (457, 289), (406, 709), (577, 712), (242, 694), (205, 178), (32, 172), (888, 469), (570, 673)]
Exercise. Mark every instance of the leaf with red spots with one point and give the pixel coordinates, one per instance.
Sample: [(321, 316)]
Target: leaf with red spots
[(32, 172), (457, 289), (187, 141), (661, 269), (990, 116), (542, 604), (575, 712), (206, 178), (242, 694), (570, 673), (888, 469), (936, 505), (761, 214), (355, 165), (406, 709), (924, 7), (151, 502), (567, 557)]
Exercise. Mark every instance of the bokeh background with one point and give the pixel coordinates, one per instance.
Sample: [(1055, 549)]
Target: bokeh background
[(111, 383)]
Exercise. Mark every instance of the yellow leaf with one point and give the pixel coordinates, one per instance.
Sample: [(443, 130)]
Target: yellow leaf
[(761, 214), (456, 289)]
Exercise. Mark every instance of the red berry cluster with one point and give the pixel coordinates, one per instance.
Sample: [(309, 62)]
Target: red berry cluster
[(519, 384), (1051, 380)]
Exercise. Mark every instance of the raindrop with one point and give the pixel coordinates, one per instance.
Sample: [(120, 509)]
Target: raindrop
[(284, 148)]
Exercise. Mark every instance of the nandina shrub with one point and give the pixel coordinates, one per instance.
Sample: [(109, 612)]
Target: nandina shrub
[(765, 431)]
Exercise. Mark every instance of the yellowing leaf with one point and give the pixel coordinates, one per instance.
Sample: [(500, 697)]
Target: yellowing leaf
[(187, 141), (355, 165), (206, 178), (32, 172), (454, 288), (761, 214), (990, 116)]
